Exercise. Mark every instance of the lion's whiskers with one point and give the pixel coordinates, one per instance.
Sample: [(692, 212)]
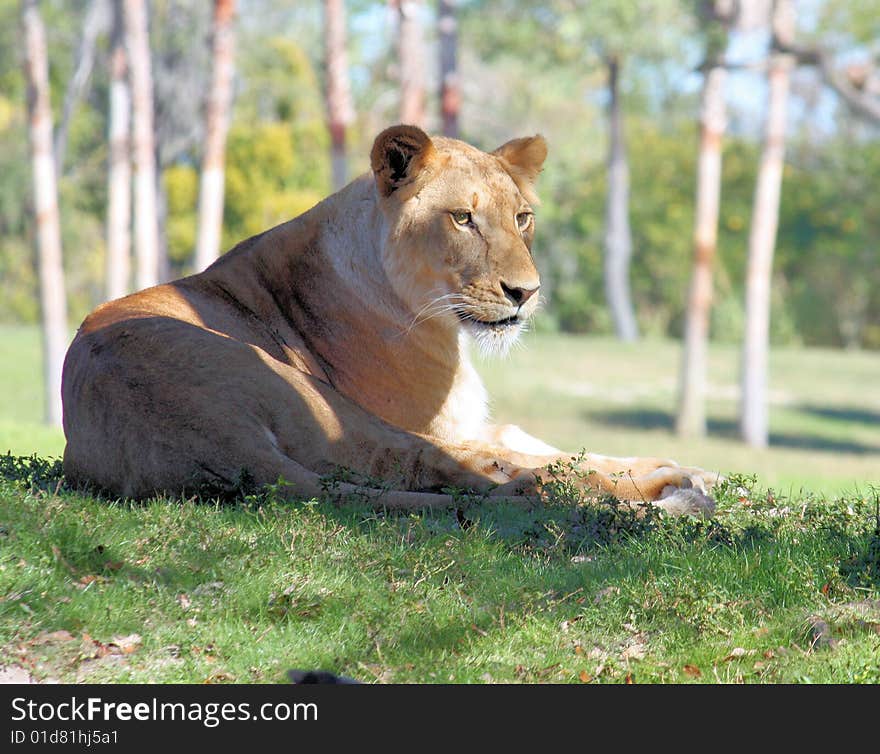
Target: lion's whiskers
[(434, 308)]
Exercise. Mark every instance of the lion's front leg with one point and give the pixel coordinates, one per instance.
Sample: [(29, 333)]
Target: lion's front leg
[(660, 482), (513, 438), (648, 479)]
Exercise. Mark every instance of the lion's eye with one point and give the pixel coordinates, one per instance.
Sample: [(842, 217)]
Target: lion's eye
[(461, 217), (523, 220)]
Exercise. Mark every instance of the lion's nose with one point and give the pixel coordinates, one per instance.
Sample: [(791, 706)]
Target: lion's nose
[(518, 295)]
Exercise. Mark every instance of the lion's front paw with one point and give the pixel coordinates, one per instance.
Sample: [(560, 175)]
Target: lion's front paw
[(653, 485), (686, 501), (523, 483), (679, 490)]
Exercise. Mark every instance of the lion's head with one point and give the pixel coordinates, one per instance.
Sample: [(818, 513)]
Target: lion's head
[(460, 226)]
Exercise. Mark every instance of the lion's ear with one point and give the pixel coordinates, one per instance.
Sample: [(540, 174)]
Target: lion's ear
[(399, 155), (523, 158)]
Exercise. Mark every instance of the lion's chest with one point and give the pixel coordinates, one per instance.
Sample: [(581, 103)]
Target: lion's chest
[(462, 416)]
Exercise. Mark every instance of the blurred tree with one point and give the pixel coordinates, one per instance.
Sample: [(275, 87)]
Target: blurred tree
[(857, 83), (277, 162), (180, 33), (118, 266), (716, 16), (217, 115), (762, 237), (340, 111), (411, 61), (145, 208), (95, 24), (618, 236), (542, 76), (450, 86), (53, 299)]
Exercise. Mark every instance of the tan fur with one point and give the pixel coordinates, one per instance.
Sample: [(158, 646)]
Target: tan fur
[(337, 340)]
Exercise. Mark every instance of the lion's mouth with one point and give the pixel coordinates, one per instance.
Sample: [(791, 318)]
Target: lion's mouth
[(511, 321)]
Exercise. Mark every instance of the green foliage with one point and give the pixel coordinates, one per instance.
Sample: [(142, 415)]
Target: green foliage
[(828, 241), (182, 192), (31, 472), (277, 162), (826, 279), (18, 284), (265, 184), (544, 65)]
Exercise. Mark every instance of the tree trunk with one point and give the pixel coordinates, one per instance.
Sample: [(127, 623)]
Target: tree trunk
[(762, 238), (145, 217), (450, 86), (340, 111), (691, 420), (118, 267), (411, 61), (618, 238), (53, 300), (94, 25), (165, 272), (216, 127)]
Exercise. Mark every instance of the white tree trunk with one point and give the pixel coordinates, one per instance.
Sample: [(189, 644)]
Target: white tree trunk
[(618, 237), (145, 210), (217, 126), (691, 420), (95, 24), (450, 85), (754, 425), (53, 300), (340, 111), (411, 57), (118, 265)]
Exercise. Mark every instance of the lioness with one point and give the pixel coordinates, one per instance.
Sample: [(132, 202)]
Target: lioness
[(338, 339)]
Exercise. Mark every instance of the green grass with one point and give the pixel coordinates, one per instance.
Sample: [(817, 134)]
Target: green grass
[(21, 395), (563, 593), (180, 590)]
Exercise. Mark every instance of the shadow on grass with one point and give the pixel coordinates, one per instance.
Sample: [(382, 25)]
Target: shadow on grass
[(843, 414), (654, 419), (562, 532)]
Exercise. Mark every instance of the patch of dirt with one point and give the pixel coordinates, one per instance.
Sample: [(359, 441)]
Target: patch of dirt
[(16, 674), (60, 653)]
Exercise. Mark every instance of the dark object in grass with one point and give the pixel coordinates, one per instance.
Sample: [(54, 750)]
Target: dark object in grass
[(820, 634), (318, 676)]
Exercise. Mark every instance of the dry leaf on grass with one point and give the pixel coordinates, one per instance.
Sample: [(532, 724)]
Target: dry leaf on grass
[(608, 591), (634, 652), (692, 670), (566, 624), (118, 645), (127, 644), (220, 678), (54, 637), (209, 587)]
